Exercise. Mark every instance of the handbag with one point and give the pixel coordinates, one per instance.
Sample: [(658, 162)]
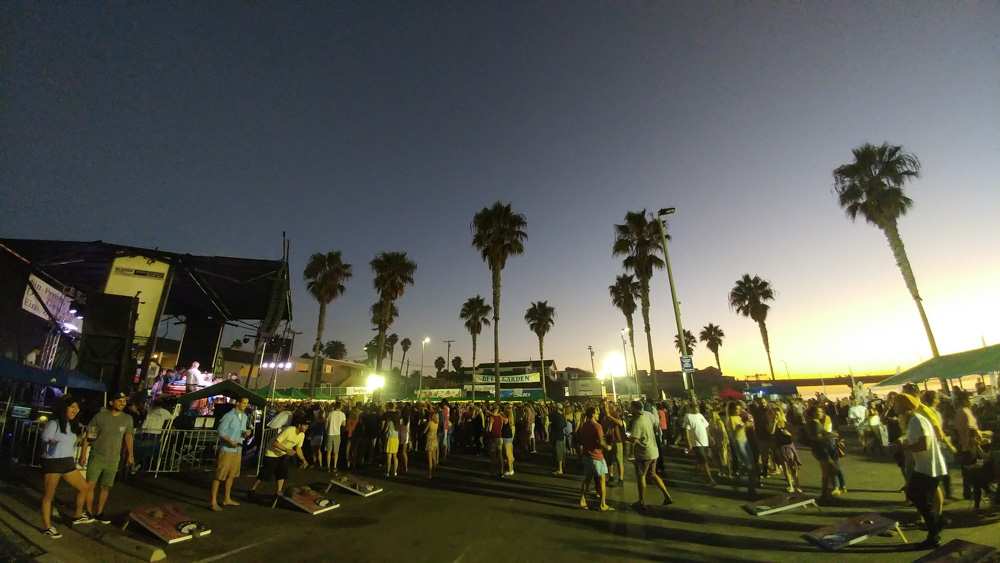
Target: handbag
[(841, 447)]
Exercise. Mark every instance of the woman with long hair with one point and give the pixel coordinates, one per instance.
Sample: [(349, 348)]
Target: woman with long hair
[(349, 429), (431, 441), (785, 455), (819, 429), (59, 463), (507, 434), (404, 438), (720, 442), (390, 429)]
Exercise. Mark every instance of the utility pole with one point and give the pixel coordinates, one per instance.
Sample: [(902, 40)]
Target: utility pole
[(661, 218), (447, 362)]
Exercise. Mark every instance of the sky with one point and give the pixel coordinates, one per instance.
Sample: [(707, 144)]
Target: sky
[(383, 126)]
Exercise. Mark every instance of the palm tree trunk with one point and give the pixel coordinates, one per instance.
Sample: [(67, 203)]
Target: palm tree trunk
[(401, 360), (318, 349), (496, 331), (767, 346), (717, 364), (541, 356), (392, 352), (386, 306), (631, 340), (644, 297), (473, 367), (891, 231)]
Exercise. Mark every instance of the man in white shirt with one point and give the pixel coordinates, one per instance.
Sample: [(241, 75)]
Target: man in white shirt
[(929, 467), (334, 421), (156, 419), (643, 438), (192, 378), (696, 427)]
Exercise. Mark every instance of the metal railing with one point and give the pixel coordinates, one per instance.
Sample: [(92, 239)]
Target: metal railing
[(186, 450)]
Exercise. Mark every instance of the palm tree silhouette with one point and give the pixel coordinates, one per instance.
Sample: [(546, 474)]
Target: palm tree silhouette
[(391, 341), (872, 186), (748, 297), (475, 313), (325, 275), (393, 272), (689, 339), (624, 292), (540, 317), (498, 233), (404, 345), (638, 240), (712, 336), (439, 364)]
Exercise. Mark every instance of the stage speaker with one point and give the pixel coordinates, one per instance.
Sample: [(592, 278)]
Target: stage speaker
[(108, 330), (201, 342)]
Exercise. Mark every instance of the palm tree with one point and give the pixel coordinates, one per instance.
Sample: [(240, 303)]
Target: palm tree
[(404, 345), (638, 240), (439, 364), (624, 292), (748, 298), (689, 340), (498, 233), (391, 341), (872, 187), (325, 275), (712, 336), (335, 349), (475, 312), (540, 318), (456, 364), (393, 272)]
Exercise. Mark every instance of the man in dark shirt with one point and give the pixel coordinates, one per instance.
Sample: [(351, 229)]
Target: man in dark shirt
[(557, 434), (590, 436)]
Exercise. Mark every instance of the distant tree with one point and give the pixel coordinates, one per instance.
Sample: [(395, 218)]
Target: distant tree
[(689, 339), (475, 312), (306, 356), (391, 342), (404, 345), (335, 349), (748, 297), (439, 364), (712, 336), (498, 233), (624, 293), (393, 272), (325, 276), (456, 364), (540, 317), (638, 240)]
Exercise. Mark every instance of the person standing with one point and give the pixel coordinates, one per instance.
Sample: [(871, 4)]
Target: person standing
[(590, 436), (696, 427), (431, 441), (646, 451), (444, 428), (929, 467), (107, 431), (494, 436), (275, 466), (192, 378), (557, 428), (334, 421), (232, 430), (58, 463)]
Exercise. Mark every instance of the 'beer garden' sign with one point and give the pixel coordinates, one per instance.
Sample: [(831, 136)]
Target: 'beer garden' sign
[(509, 379)]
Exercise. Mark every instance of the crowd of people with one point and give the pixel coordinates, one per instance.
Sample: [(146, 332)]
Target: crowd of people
[(740, 442)]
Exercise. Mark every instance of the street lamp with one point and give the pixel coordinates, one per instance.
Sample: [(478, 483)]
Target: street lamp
[(613, 366), (374, 383), (661, 218), (423, 344)]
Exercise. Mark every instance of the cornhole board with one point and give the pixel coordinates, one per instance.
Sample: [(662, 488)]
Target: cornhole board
[(779, 503), (960, 551), (354, 485), (853, 530), (306, 499), (168, 522)]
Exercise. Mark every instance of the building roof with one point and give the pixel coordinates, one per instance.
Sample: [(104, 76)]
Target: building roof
[(208, 286)]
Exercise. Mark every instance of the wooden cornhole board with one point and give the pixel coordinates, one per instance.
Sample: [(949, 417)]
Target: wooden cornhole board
[(354, 485), (853, 530), (961, 551), (168, 522), (779, 503), (306, 499)]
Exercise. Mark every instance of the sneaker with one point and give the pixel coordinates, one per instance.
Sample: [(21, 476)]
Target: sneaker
[(52, 532), (83, 519), (102, 519)]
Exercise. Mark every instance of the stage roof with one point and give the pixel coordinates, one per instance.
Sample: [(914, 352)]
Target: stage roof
[(209, 286), (971, 362)]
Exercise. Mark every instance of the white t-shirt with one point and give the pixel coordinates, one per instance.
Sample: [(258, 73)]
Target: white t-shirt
[(931, 461), (156, 420), (334, 422), (856, 414), (645, 438), (289, 438), (697, 430), (280, 420)]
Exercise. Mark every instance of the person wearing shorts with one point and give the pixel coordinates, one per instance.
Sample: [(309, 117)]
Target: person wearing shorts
[(232, 429), (591, 439), (59, 463), (494, 436), (108, 430), (646, 453), (391, 429), (276, 458), (334, 421)]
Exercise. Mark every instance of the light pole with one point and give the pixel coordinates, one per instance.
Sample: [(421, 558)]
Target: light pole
[(593, 368), (661, 218), (423, 344), (635, 377)]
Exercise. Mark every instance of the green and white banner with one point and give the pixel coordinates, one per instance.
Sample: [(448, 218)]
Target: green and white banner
[(509, 379)]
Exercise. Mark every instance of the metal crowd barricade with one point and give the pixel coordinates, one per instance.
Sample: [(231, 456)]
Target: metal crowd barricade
[(184, 450), (25, 438), (268, 437)]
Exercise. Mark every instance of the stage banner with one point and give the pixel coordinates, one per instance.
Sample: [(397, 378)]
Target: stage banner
[(440, 394), (131, 275), (510, 379), (57, 303)]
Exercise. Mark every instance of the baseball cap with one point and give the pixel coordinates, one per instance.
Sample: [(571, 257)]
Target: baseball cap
[(117, 396)]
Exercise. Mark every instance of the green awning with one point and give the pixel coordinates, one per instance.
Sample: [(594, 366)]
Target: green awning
[(973, 362)]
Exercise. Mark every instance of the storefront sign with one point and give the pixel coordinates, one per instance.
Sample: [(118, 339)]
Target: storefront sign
[(509, 379)]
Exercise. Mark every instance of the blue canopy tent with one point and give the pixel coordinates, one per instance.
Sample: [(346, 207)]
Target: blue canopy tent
[(65, 378)]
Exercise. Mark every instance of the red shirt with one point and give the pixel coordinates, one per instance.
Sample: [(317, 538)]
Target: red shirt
[(590, 436), (497, 426), (663, 419)]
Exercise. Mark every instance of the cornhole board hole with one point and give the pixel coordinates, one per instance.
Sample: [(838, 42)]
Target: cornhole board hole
[(960, 551), (354, 485), (306, 499), (168, 522), (779, 503), (853, 530)]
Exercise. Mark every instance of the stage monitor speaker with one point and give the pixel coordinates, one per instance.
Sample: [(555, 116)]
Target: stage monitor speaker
[(201, 343), (110, 315), (108, 330)]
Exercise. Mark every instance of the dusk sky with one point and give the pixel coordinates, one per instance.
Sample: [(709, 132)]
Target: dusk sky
[(373, 126)]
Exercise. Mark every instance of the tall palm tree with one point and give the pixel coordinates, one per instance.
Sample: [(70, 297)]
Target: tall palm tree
[(393, 272), (404, 345), (712, 336), (624, 292), (498, 233), (325, 275), (439, 364), (391, 341), (456, 364), (872, 186), (475, 312), (689, 340), (638, 240), (748, 297), (540, 318)]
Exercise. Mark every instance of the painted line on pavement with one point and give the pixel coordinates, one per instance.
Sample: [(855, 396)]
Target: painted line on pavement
[(230, 552)]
